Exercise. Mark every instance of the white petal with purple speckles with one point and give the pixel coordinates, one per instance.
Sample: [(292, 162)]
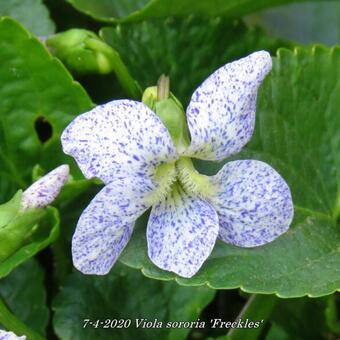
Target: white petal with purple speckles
[(10, 336), (105, 226), (46, 189), (120, 136), (253, 202), (181, 233), (221, 113)]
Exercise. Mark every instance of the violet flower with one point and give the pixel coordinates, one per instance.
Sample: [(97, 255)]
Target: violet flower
[(143, 158)]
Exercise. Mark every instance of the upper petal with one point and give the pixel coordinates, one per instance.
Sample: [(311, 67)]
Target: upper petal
[(253, 202), (118, 137), (105, 226), (181, 233), (221, 113)]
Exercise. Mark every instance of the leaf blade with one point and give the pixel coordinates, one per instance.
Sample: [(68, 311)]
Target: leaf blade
[(32, 88), (128, 11), (291, 136)]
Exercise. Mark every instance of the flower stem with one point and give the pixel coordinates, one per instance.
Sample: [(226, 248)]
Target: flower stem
[(332, 319), (336, 213), (12, 323), (129, 84), (257, 308)]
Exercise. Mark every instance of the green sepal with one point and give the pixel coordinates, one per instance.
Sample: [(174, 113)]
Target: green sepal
[(172, 115), (14, 234), (17, 225), (149, 97), (37, 172), (9, 209), (46, 230)]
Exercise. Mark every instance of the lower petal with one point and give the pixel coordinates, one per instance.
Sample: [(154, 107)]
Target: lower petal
[(253, 202), (106, 225), (181, 233)]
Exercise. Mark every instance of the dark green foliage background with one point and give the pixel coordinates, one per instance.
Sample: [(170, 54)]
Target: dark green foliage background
[(297, 132)]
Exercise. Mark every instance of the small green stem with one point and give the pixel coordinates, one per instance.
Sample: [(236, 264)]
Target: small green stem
[(336, 213), (129, 84), (331, 316), (257, 308), (12, 323)]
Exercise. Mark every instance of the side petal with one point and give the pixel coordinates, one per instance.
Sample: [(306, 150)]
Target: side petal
[(181, 233), (253, 202), (44, 191), (118, 137), (221, 113), (105, 226)]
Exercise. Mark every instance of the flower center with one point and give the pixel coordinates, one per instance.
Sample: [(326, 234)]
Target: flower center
[(191, 180), (180, 174)]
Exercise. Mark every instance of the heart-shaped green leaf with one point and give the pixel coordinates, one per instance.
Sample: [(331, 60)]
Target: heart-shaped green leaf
[(298, 319), (24, 293), (320, 22), (36, 92), (297, 132), (31, 13), (125, 294), (132, 10)]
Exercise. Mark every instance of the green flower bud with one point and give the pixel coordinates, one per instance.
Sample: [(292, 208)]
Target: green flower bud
[(16, 225), (21, 216), (169, 109), (82, 51)]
